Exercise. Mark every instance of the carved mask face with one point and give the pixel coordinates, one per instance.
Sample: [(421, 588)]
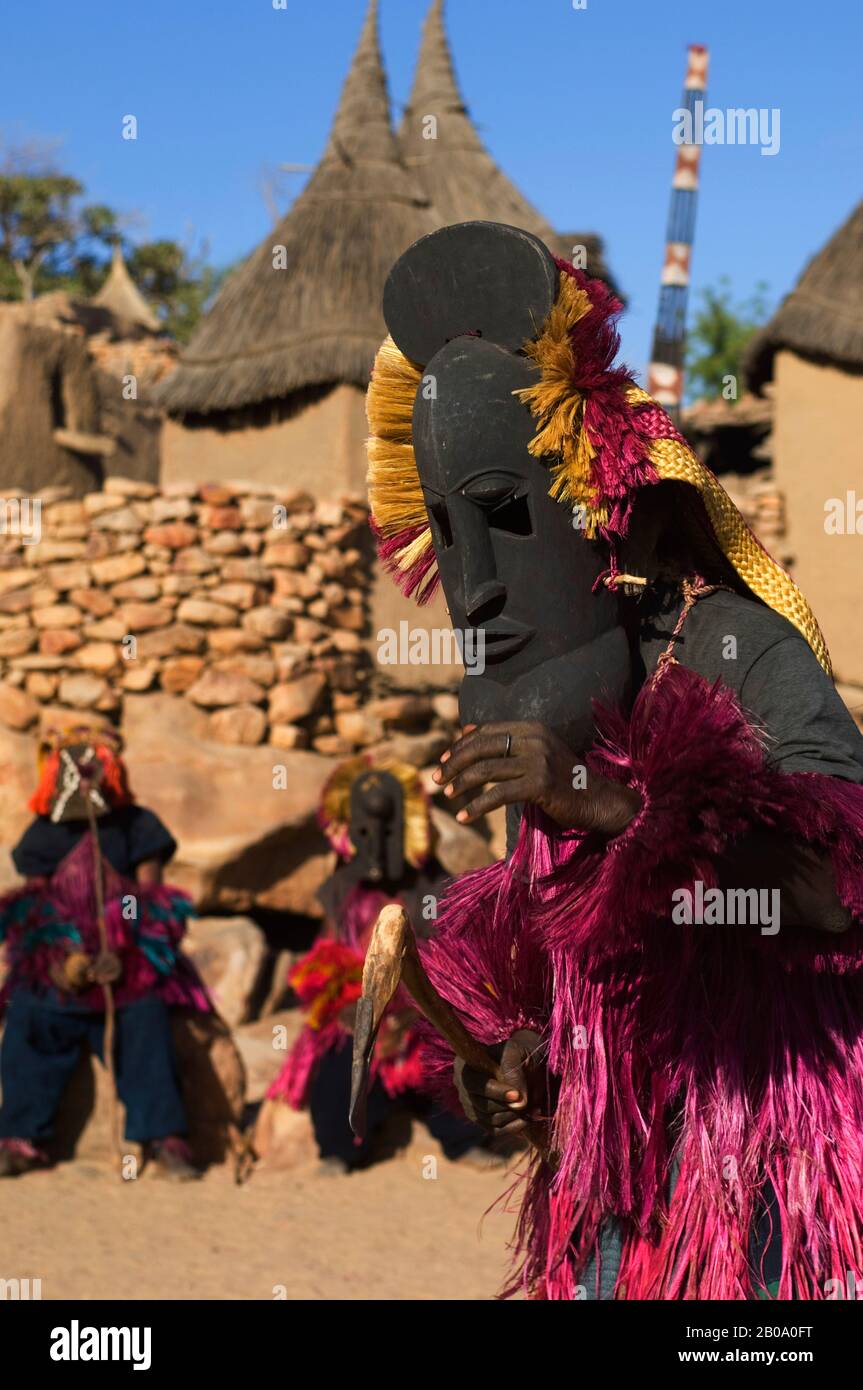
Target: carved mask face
[(377, 827), (78, 781), (518, 573)]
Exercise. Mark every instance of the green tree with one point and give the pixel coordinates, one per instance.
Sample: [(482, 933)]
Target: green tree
[(50, 239), (178, 284), (718, 337)]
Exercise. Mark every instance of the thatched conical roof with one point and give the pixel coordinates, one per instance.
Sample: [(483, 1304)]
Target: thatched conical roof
[(123, 300), (272, 331), (461, 179), (822, 317)]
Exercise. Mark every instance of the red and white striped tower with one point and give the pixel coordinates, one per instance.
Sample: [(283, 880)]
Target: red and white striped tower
[(665, 378)]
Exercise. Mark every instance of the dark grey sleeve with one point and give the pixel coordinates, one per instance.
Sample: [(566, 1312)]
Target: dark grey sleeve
[(809, 729), (148, 838), (40, 848)]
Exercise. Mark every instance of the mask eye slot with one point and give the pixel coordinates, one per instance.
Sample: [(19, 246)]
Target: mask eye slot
[(513, 516), (440, 516)]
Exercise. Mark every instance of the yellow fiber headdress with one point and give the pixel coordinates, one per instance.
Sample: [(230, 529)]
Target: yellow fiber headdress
[(334, 814), (603, 436)]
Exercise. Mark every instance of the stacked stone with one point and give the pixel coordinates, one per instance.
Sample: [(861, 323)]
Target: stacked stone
[(249, 603)]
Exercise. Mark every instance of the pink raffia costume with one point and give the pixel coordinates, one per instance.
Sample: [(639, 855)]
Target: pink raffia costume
[(705, 1075)]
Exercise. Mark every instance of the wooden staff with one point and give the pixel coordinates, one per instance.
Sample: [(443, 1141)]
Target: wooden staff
[(107, 966)]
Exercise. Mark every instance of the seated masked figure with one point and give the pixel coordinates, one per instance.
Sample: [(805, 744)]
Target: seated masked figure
[(376, 818), (668, 962), (94, 929)]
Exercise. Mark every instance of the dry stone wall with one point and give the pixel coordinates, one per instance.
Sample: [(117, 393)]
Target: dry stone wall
[(250, 604)]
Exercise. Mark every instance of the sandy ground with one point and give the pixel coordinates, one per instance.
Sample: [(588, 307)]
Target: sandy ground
[(387, 1233)]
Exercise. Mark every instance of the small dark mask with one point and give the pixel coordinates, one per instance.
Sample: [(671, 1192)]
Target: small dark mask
[(79, 780), (377, 828)]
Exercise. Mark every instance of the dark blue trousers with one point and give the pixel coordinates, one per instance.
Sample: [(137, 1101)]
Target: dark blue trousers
[(328, 1106), (42, 1043)]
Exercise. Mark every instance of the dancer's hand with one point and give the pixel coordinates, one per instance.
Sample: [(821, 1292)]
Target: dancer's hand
[(538, 768), (504, 1107)]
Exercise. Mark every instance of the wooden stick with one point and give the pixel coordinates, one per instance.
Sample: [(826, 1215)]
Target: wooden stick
[(109, 1027), (392, 958)]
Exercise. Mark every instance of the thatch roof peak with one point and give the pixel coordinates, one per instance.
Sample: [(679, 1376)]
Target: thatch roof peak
[(436, 91), (362, 126), (441, 143), (305, 309), (443, 147), (122, 298), (822, 317)]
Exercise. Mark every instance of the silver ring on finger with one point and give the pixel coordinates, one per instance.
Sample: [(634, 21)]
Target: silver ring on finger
[(508, 748)]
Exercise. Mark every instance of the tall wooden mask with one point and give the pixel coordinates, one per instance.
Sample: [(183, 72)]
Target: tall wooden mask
[(519, 575)]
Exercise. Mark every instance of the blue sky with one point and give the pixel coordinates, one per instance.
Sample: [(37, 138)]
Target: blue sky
[(575, 104)]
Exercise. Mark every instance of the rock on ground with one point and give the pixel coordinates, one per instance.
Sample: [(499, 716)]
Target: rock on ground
[(229, 954), (244, 817)]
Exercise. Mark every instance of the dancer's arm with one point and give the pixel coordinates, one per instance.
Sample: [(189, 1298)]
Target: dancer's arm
[(541, 770)]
